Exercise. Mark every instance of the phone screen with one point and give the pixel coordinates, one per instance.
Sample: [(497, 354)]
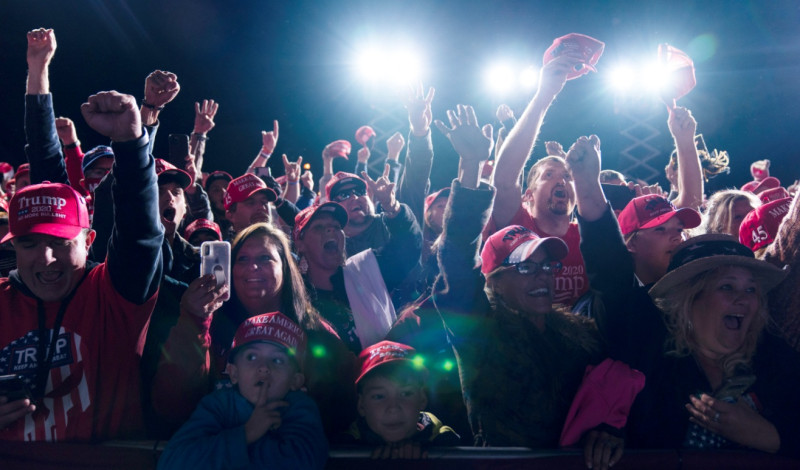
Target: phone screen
[(178, 149), (216, 260), (13, 387)]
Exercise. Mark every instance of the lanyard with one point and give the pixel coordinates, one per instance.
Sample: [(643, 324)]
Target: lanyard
[(45, 353)]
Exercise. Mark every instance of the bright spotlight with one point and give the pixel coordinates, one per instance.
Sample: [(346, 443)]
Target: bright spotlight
[(528, 77), (369, 60), (622, 78), (385, 66), (404, 68), (655, 77), (500, 78)]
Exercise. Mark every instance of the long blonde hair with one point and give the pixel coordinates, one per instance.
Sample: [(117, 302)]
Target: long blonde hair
[(718, 216)]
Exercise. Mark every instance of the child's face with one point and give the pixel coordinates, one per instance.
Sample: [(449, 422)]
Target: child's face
[(391, 409), (264, 366)]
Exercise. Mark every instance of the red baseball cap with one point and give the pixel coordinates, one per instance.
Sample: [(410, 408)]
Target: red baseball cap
[(590, 48), (340, 178), (6, 169), (202, 224), (23, 169), (651, 211), (773, 194), (166, 168), (340, 148), (241, 188), (514, 244), (275, 328), (431, 198), (757, 187), (760, 225), (363, 134), (383, 353), (308, 214), (47, 208)]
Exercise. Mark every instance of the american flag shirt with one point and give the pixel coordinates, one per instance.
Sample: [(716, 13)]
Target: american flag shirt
[(93, 387)]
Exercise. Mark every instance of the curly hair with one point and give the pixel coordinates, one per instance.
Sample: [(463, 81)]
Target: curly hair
[(677, 307), (295, 302), (713, 163)]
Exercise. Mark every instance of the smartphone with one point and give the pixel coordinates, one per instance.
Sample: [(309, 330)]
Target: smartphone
[(216, 260), (178, 149), (13, 387), (619, 196), (263, 171)]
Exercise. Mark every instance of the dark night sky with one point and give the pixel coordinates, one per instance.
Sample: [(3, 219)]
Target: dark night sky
[(289, 61)]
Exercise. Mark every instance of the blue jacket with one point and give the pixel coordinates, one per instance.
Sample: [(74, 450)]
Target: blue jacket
[(214, 436)]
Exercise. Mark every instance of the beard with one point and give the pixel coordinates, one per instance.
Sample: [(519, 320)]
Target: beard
[(560, 207)]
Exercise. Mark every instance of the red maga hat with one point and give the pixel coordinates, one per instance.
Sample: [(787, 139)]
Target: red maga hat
[(383, 353), (590, 48), (241, 188), (651, 211), (514, 244), (275, 328), (49, 209), (760, 225)]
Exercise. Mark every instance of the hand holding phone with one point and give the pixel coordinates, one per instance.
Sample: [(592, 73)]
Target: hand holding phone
[(216, 260), (13, 388)]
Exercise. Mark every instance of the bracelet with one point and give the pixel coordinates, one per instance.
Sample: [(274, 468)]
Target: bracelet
[(200, 137), (295, 182), (73, 145), (264, 155), (148, 105)]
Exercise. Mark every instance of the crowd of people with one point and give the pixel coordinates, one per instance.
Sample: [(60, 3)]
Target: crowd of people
[(565, 307)]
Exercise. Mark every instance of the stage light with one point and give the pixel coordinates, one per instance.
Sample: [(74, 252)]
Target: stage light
[(405, 67), (529, 77), (392, 67), (368, 62), (500, 78), (622, 78), (655, 77), (306, 166)]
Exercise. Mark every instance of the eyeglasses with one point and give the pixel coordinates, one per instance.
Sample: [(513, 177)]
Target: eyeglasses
[(532, 267), (348, 193)]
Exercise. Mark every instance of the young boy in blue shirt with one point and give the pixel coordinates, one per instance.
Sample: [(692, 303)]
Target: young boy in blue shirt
[(264, 420)]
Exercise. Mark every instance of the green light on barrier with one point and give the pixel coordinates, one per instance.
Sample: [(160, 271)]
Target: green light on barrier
[(447, 365), (419, 362)]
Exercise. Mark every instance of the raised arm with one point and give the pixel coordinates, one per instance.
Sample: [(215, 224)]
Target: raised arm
[(683, 127), (583, 161), (507, 119), (292, 171), (134, 251), (160, 88), (42, 147), (466, 214), (73, 155), (415, 178), (203, 123), (518, 145), (268, 142), (401, 253)]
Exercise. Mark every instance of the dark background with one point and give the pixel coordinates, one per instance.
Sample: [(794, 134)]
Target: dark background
[(291, 61)]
